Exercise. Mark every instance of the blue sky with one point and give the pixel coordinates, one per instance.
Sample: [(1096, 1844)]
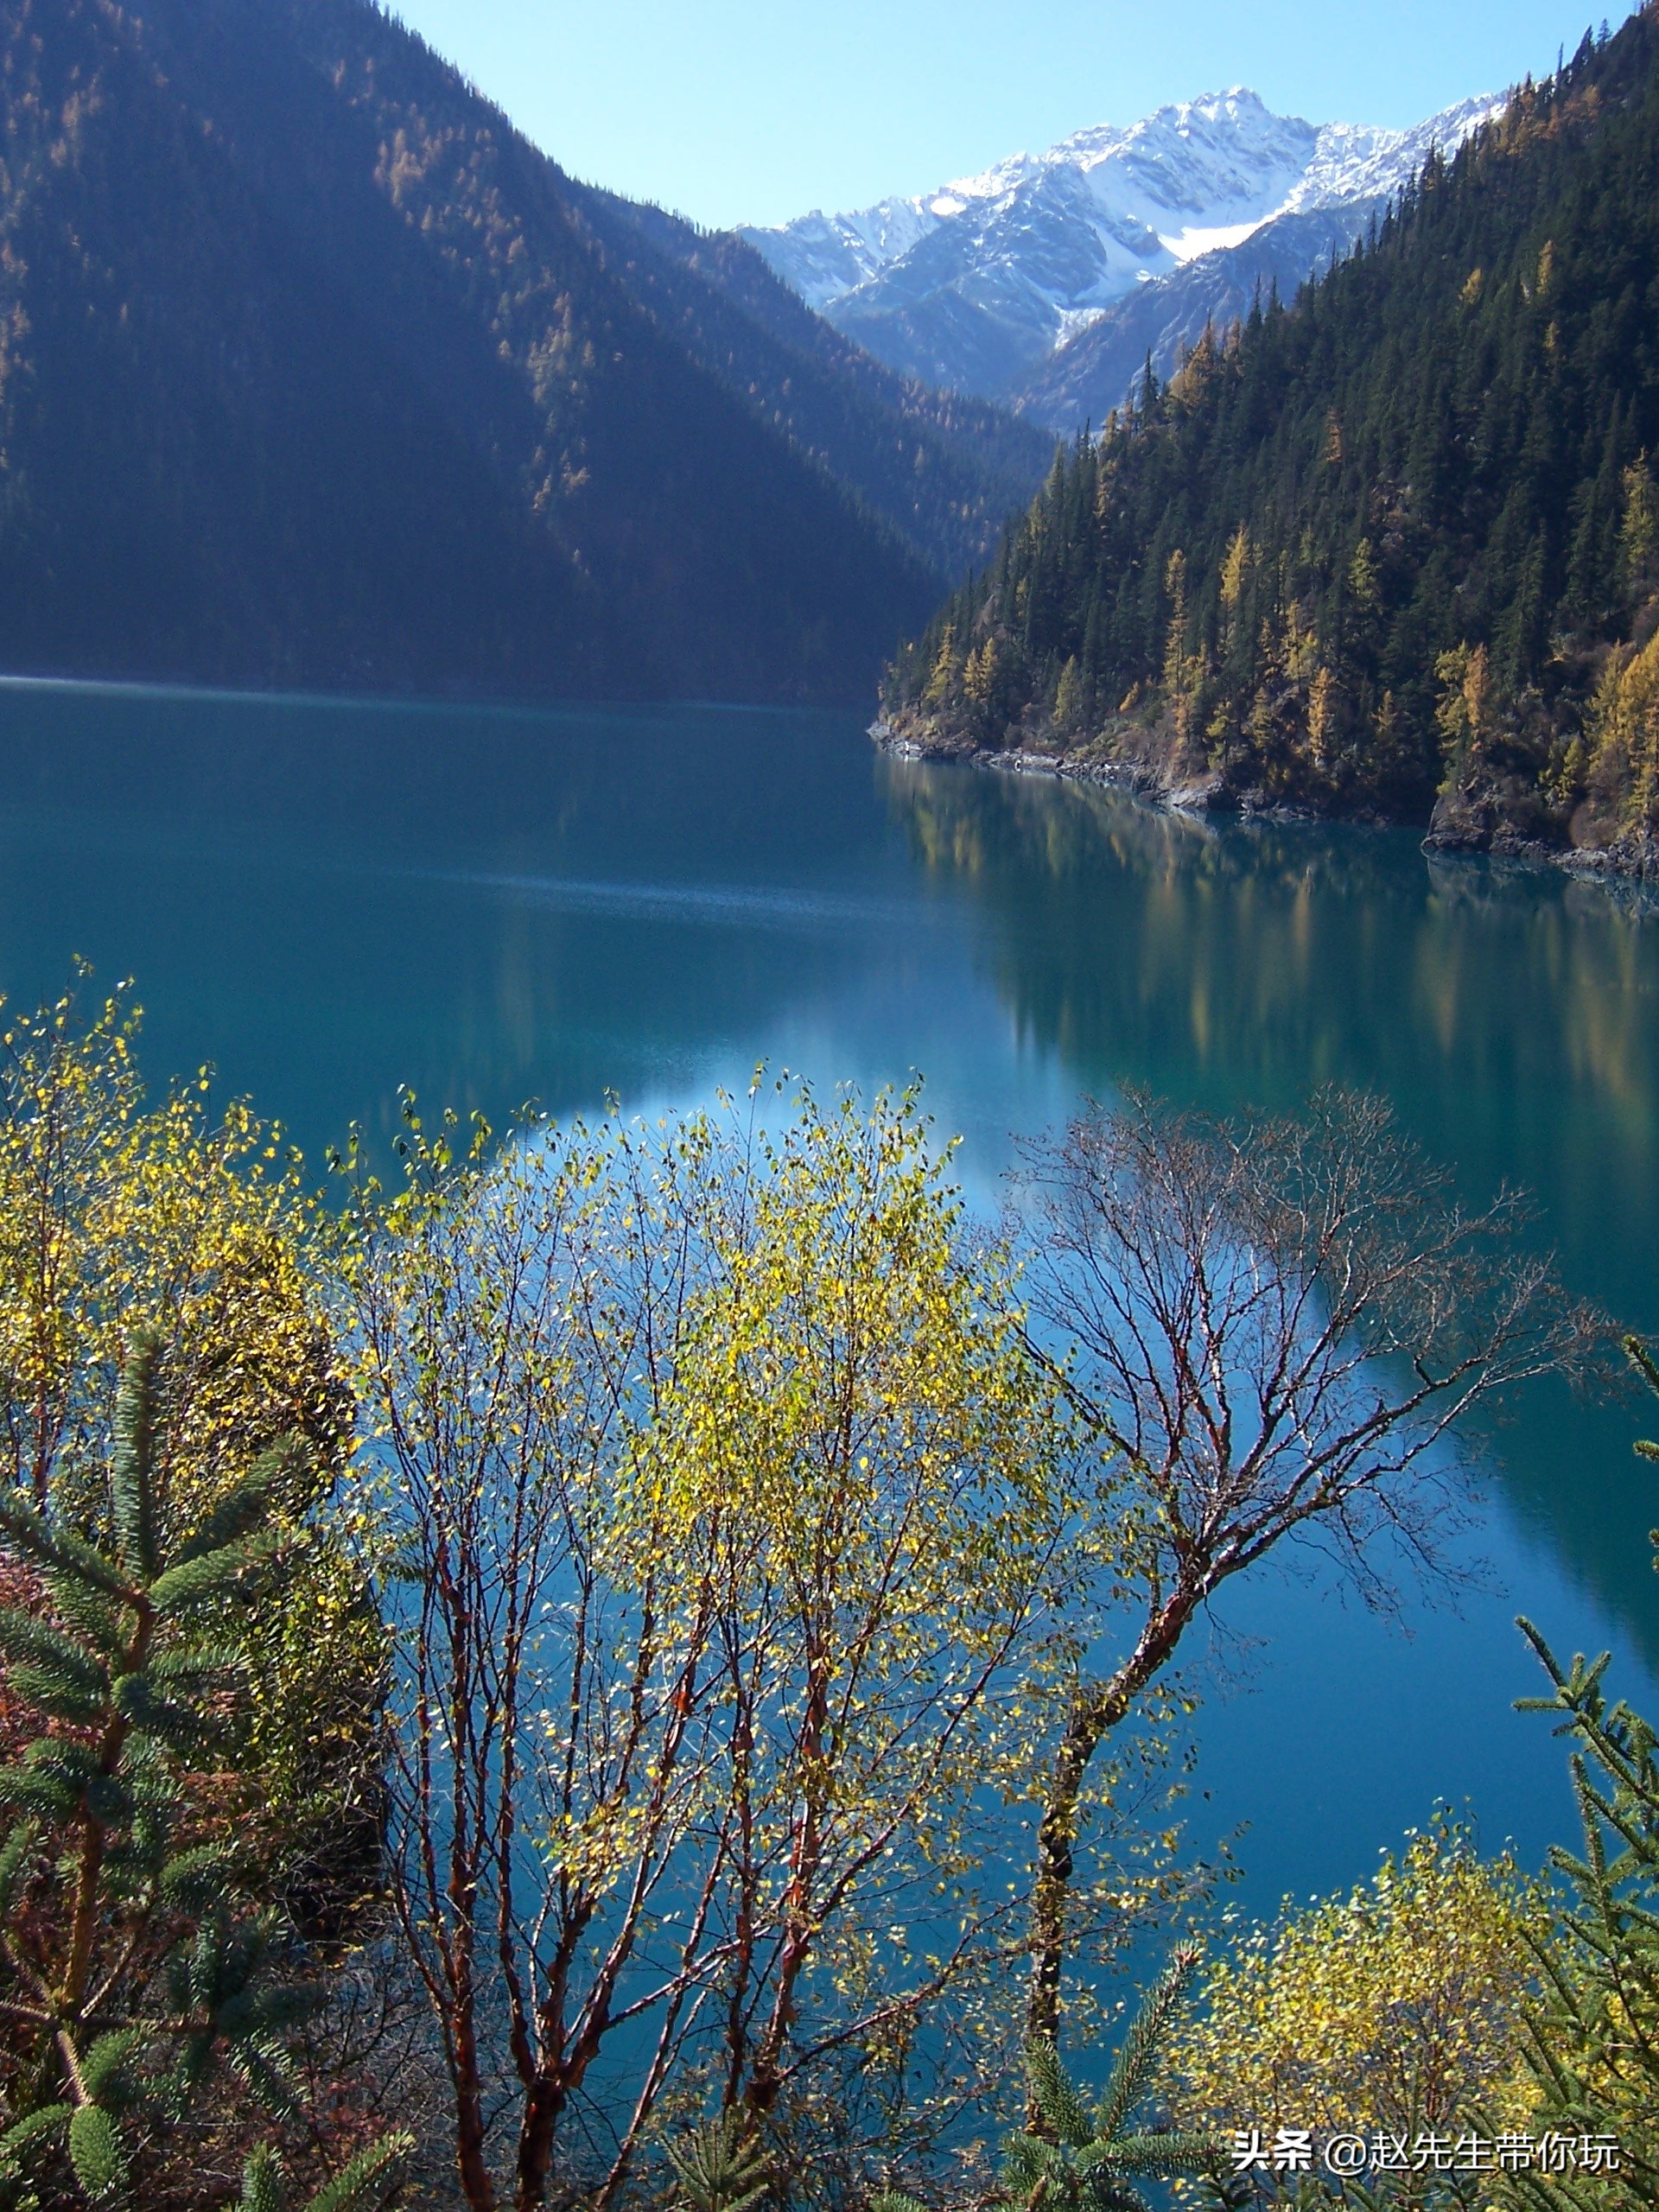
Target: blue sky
[(734, 111)]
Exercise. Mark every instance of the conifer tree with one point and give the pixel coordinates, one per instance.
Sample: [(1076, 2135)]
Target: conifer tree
[(719, 2166), (264, 2182), (1072, 2157), (137, 1956), (1069, 2158), (1595, 2045)]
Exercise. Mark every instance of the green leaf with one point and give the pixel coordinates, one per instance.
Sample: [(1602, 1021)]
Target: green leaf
[(32, 1786), (285, 1467), (101, 2068), (1133, 2076), (1055, 2098), (50, 1670), (58, 1548), (33, 2127), (57, 1694), (107, 1800), (204, 1659), (26, 1526), (179, 1727), (285, 1472), (15, 1854), (1165, 2152), (95, 2152), (191, 1882), (29, 1639), (203, 1580), (87, 1611)]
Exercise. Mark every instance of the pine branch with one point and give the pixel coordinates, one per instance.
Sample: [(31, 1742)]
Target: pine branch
[(1132, 2076), (132, 1463), (718, 2167)]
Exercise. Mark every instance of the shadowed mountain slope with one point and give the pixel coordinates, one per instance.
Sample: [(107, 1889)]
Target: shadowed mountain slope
[(944, 470), (313, 372)]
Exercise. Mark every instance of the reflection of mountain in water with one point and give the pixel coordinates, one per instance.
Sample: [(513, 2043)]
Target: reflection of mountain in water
[(1514, 1020), (328, 899)]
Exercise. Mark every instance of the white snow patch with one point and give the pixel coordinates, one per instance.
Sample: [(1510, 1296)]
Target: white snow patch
[(1188, 244), (1073, 319)]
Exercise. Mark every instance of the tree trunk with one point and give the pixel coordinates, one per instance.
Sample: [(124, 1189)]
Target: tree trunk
[(542, 2109), (476, 2183), (1095, 1710)]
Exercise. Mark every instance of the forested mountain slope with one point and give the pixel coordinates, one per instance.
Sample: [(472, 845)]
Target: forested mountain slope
[(315, 373), (945, 471), (1391, 549)]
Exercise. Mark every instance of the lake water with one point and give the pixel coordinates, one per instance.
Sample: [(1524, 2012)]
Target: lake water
[(329, 900)]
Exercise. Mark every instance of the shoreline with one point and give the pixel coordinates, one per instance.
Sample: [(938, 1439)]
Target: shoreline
[(1634, 879)]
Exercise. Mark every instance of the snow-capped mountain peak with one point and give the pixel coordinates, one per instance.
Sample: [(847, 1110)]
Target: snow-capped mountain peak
[(968, 283)]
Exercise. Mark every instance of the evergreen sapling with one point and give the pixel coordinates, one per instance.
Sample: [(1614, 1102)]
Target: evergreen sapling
[(134, 1961)]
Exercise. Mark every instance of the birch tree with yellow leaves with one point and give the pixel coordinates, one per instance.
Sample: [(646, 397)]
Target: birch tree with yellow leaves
[(723, 1488), (1401, 2005), (1279, 1327)]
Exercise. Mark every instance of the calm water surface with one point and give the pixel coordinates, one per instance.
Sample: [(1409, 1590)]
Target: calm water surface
[(327, 901)]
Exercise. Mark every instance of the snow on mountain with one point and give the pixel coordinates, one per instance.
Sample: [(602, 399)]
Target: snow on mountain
[(971, 285), (1353, 161), (825, 256), (1101, 365)]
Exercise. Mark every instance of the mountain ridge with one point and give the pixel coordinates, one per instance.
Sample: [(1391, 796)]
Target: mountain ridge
[(1101, 368), (973, 285)]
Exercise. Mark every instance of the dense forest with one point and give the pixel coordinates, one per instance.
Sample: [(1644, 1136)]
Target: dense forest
[(314, 372), (1389, 550)]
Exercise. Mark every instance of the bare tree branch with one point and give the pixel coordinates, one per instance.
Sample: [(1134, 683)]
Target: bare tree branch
[(1282, 1327)]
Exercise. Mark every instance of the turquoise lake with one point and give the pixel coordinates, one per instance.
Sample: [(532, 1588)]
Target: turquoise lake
[(329, 900)]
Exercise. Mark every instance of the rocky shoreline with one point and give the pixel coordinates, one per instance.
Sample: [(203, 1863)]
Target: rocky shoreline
[(1630, 864), (1145, 779)]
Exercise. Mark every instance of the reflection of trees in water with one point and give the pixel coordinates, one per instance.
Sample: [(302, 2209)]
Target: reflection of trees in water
[(1251, 961), (1203, 959), (1513, 1017)]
